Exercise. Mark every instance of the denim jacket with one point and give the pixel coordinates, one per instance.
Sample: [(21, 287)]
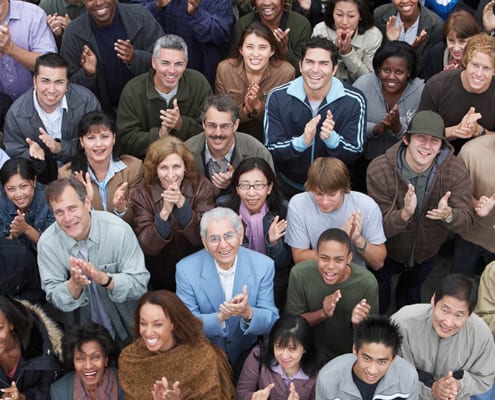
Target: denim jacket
[(38, 215)]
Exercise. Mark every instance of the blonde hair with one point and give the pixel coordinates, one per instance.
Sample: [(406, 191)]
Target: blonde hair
[(479, 43), (328, 175), (161, 149)]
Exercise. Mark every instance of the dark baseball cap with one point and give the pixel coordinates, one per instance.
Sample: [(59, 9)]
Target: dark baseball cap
[(427, 123)]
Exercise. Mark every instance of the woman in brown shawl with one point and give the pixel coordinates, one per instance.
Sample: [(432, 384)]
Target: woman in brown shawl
[(171, 358)]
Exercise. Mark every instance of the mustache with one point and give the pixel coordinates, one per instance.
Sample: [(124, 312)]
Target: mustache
[(218, 137)]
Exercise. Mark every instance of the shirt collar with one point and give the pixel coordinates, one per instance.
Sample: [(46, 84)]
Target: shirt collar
[(228, 272)]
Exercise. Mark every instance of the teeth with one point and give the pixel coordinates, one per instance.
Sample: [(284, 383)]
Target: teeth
[(90, 373), (152, 342)]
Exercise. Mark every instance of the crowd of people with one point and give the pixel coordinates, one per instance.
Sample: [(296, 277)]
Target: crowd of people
[(210, 199)]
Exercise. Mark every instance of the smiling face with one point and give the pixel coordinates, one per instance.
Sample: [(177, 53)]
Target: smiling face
[(169, 67), (253, 199), (50, 86), (328, 202), (270, 11), (372, 362), (478, 75), (155, 328), (333, 260), (455, 46), (393, 74), (20, 191), (220, 131), (256, 52), (421, 151), (98, 144), (289, 357), (171, 171), (72, 215), (317, 71), (408, 9), (225, 250), (449, 315), (101, 11), (346, 16), (89, 363)]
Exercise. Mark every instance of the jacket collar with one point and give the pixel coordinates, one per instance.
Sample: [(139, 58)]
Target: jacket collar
[(296, 89)]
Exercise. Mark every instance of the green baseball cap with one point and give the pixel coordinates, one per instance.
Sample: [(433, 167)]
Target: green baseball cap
[(427, 123)]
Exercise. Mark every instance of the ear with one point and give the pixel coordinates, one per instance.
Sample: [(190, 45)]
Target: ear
[(270, 187), (404, 139), (354, 350), (336, 66), (349, 257), (236, 124), (432, 301)]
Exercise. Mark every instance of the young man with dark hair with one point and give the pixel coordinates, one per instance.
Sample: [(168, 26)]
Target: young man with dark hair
[(450, 346), (374, 370), (43, 125), (315, 115), (331, 293)]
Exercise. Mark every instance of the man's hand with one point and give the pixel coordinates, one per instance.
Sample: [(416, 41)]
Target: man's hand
[(221, 180), (330, 302), (6, 44), (443, 211), (327, 126), (162, 3), (50, 142), (310, 130), (410, 203), (88, 61), (238, 305), (171, 119), (360, 312), (192, 6), (124, 50), (467, 128), (58, 23), (446, 388), (77, 280), (354, 225), (35, 150), (391, 31)]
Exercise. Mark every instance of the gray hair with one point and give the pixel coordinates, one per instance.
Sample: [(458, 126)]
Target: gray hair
[(222, 103), (216, 214), (170, 42)]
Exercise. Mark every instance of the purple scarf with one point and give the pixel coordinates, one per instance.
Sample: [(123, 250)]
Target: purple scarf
[(254, 227)]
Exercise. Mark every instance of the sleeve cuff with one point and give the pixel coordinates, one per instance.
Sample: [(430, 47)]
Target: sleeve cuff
[(183, 215), (333, 140), (164, 228), (298, 144)]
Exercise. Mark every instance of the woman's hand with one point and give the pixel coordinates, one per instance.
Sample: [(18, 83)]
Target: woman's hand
[(119, 200), (263, 394), (392, 120), (172, 196), (252, 101), (392, 32), (162, 390), (86, 181), (293, 395), (12, 393), (343, 41), (277, 229), (18, 225)]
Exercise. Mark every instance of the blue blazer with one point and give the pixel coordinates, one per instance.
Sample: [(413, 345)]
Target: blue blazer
[(198, 286)]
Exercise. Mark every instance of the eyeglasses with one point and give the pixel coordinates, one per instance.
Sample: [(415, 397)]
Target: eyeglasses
[(227, 236), (248, 186), (212, 127)]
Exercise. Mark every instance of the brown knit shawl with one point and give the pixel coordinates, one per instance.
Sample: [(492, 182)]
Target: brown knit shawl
[(201, 369)]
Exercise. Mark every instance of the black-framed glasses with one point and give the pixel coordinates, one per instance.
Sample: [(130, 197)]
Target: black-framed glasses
[(248, 186)]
